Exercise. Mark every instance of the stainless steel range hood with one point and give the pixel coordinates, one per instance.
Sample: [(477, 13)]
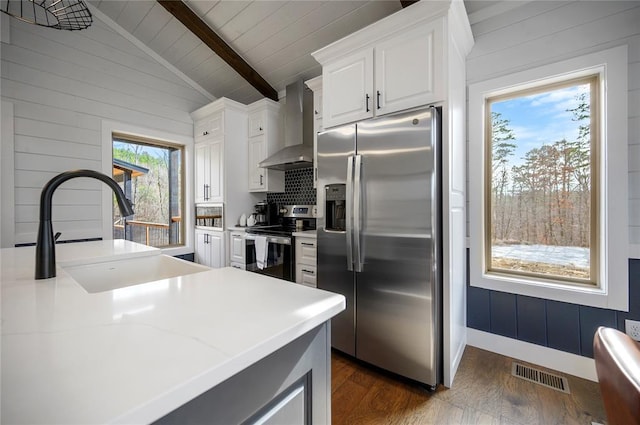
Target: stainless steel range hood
[(298, 131)]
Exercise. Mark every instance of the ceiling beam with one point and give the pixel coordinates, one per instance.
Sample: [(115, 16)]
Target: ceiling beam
[(201, 30), (407, 3)]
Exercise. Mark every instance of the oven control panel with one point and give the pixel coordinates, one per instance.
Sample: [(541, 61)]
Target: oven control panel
[(298, 211)]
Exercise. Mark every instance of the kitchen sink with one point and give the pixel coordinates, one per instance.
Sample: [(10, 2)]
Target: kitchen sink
[(110, 275)]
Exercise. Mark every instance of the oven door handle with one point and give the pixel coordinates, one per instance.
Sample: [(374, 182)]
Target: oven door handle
[(271, 239)]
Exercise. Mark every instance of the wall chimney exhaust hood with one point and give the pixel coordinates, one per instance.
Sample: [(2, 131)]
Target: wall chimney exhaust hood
[(298, 131)]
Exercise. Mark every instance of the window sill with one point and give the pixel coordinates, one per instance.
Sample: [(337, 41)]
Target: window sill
[(575, 294)]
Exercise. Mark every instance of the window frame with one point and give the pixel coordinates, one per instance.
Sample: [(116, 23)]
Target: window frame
[(108, 128), (612, 181), (594, 81), (160, 144)]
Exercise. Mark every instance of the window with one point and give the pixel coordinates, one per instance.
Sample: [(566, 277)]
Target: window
[(541, 197), (151, 176), (548, 181)]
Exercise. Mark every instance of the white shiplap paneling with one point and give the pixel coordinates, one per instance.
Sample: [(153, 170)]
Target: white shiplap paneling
[(540, 33), (63, 85)]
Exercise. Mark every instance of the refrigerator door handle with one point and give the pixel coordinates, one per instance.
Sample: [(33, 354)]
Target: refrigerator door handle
[(356, 214), (349, 213)]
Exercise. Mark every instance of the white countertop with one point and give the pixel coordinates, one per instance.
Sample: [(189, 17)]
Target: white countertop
[(306, 234), (134, 354)]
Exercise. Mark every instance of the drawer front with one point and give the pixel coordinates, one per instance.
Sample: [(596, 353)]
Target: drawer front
[(306, 251), (306, 275), (240, 266)]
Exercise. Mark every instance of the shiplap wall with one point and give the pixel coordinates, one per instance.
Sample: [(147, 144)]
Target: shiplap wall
[(536, 34), (62, 85), (540, 33)]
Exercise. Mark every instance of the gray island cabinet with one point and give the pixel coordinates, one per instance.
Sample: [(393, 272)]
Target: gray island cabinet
[(217, 346)]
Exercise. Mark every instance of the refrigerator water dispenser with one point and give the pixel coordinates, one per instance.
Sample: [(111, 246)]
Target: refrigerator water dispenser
[(335, 205)]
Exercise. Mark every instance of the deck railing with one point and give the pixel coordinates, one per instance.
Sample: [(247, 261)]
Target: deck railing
[(148, 233)]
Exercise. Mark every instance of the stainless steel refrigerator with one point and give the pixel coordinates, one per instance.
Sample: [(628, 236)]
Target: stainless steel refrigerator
[(379, 240)]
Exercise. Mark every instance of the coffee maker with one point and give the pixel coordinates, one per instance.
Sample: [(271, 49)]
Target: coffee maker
[(266, 213)]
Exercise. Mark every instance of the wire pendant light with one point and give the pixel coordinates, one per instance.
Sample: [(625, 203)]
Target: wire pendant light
[(69, 15)]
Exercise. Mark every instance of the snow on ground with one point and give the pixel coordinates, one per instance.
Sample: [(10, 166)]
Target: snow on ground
[(563, 255)]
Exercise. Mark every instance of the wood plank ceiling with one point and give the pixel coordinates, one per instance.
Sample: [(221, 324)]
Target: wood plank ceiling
[(274, 37)]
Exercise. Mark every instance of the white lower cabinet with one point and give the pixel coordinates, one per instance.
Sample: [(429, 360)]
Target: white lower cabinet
[(306, 261), (210, 248), (237, 249)]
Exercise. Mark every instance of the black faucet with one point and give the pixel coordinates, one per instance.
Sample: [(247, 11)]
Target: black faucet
[(45, 246)]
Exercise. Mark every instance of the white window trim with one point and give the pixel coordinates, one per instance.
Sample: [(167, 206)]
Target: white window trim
[(613, 292), (110, 127)]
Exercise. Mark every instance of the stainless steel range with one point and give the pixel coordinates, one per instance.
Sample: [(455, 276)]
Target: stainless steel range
[(270, 250)]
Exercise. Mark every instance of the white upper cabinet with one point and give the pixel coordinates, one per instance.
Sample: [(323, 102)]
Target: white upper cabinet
[(212, 126), (390, 66), (209, 171), (348, 86), (265, 138), (408, 70), (220, 157)]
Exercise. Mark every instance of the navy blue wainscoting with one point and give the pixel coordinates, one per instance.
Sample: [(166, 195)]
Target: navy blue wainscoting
[(554, 324)]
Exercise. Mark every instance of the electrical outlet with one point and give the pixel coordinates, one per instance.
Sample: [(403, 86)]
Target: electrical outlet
[(632, 328)]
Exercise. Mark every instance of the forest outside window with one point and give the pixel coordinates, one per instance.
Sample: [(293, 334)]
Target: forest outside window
[(541, 182), (151, 175)]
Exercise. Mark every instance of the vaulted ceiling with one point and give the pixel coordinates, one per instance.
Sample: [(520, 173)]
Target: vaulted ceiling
[(275, 38)]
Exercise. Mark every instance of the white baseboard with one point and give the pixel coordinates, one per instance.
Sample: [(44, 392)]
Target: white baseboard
[(561, 361)]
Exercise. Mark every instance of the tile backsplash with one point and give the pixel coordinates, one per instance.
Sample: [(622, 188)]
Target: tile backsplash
[(298, 188)]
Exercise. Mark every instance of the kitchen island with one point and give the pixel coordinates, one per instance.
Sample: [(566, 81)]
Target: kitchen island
[(217, 345)]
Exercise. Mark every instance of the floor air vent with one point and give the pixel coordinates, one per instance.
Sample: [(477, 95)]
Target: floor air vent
[(549, 380)]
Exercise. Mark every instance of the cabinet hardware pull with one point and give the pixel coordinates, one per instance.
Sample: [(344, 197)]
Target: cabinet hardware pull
[(260, 128), (204, 133), (261, 180), (206, 192), (308, 271), (367, 102), (306, 244), (378, 98), (316, 112)]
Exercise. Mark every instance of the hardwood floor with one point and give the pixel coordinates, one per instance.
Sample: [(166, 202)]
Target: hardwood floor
[(483, 392)]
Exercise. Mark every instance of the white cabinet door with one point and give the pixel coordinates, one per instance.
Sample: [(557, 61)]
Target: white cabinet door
[(237, 247), (256, 154), (209, 127), (216, 164), (210, 248), (217, 252), (202, 254), (209, 171), (408, 69), (257, 123), (348, 89), (202, 172)]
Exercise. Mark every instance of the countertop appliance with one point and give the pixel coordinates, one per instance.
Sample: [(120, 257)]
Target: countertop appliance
[(279, 241), (266, 213), (379, 240)]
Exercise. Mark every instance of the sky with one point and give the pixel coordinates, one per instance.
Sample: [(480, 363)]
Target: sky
[(540, 118)]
